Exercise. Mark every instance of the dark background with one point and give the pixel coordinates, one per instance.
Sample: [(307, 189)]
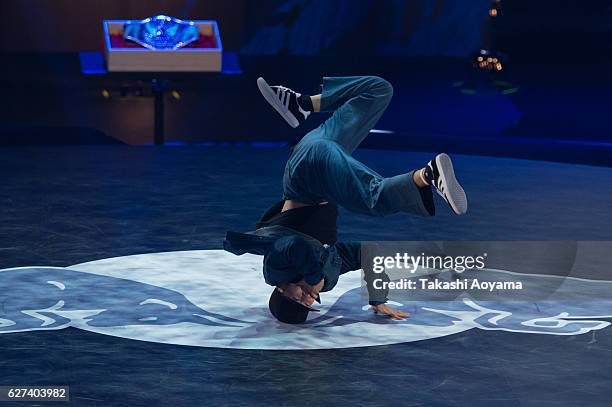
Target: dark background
[(572, 31), (556, 59), (562, 30)]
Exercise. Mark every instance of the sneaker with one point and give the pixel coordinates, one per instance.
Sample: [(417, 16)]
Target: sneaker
[(442, 176), (284, 101)]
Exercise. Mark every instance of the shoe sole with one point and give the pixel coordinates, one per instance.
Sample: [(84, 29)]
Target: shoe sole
[(268, 93), (453, 193)]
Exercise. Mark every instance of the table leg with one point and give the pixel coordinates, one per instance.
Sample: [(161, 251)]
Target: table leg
[(158, 87)]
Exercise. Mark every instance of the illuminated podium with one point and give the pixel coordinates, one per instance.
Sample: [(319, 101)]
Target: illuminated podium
[(157, 50), (202, 54)]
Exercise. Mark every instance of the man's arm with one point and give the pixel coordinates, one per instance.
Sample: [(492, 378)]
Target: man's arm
[(350, 253)]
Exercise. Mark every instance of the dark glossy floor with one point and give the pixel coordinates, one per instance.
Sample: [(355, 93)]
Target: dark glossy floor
[(62, 206)]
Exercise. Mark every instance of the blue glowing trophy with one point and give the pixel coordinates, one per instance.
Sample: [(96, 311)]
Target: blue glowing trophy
[(161, 32)]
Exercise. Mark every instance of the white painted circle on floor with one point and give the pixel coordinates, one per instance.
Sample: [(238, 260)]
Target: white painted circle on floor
[(212, 298)]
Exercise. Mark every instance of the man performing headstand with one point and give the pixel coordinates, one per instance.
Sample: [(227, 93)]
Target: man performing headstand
[(297, 236)]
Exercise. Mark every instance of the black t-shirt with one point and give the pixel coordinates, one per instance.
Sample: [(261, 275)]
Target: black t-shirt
[(318, 221)]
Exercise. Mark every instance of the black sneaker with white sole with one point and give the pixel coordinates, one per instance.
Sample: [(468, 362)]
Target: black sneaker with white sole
[(284, 101), (442, 176)]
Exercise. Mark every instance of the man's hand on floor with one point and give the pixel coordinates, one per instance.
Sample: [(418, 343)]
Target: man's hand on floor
[(387, 310)]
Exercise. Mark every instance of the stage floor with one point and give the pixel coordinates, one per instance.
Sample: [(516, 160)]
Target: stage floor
[(64, 206)]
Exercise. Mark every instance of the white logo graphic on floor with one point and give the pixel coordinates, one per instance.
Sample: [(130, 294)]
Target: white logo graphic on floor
[(212, 298)]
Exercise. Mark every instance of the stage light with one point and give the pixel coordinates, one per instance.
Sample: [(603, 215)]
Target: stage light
[(176, 95), (487, 60), (105, 94), (496, 9)]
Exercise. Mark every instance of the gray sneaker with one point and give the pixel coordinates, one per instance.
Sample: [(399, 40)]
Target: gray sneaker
[(442, 177), (284, 101)]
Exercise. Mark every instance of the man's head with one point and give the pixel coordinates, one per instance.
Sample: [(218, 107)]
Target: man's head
[(290, 303)]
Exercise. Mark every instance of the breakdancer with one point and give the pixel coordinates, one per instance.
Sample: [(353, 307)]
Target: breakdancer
[(297, 236)]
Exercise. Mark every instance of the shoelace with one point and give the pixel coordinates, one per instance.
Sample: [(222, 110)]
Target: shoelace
[(284, 89)]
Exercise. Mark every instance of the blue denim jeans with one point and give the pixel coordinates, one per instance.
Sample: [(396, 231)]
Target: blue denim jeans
[(321, 167)]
